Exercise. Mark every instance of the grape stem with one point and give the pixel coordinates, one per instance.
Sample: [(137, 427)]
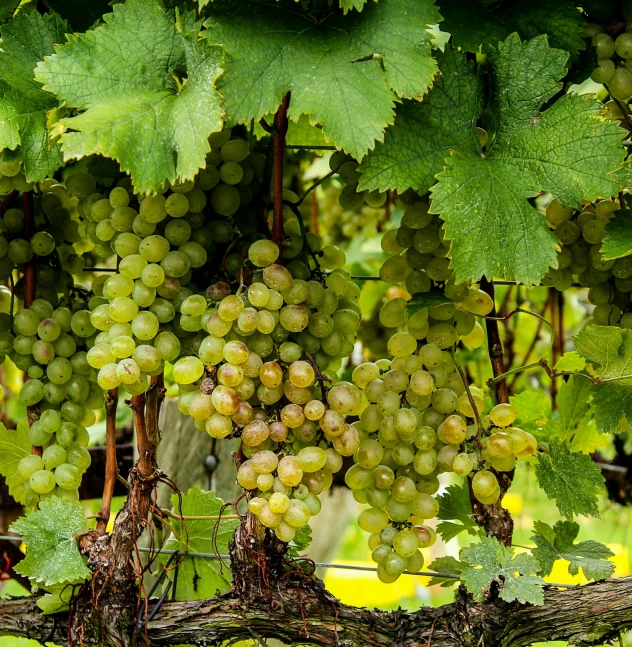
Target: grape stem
[(319, 375), (111, 466), (312, 187), (544, 364), (494, 345), (278, 137), (477, 415), (213, 517), (29, 290), (301, 224)]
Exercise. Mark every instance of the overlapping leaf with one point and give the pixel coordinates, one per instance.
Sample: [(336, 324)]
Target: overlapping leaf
[(569, 149), (571, 479), (472, 24), (610, 348), (490, 561), (26, 40), (559, 543), (454, 505), (344, 71), (618, 240), (14, 446), (140, 106), (52, 554), (200, 577), (445, 566)]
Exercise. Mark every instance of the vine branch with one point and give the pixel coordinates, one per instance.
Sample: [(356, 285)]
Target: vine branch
[(278, 137)]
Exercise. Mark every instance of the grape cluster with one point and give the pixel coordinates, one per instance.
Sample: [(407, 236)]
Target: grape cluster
[(257, 375), (614, 59), (50, 346), (149, 312), (417, 425), (609, 282), (51, 247), (12, 177)]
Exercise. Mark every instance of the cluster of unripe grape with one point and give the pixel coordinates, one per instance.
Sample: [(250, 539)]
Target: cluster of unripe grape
[(260, 375), (150, 312), (414, 429), (609, 282), (50, 346), (51, 245), (342, 219), (12, 177), (614, 58)]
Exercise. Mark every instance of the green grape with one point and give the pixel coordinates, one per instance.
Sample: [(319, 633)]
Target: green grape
[(620, 86), (42, 481)]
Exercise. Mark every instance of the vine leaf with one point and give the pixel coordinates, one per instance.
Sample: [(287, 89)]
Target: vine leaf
[(569, 149), (449, 565), (348, 5), (490, 561), (344, 71), (571, 361), (200, 577), (611, 349), (7, 7), (473, 25), (558, 542), (52, 554), (14, 446), (573, 403), (423, 300), (26, 40), (618, 240), (455, 505), (570, 478), (534, 412), (140, 107)]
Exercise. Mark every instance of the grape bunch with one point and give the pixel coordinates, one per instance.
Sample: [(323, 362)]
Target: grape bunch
[(50, 247), (614, 59), (260, 374), (50, 346), (12, 177), (609, 282), (149, 312), (418, 425)]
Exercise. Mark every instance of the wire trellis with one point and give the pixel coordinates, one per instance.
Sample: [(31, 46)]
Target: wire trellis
[(345, 567)]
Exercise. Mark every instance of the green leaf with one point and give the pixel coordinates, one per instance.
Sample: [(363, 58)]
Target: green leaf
[(618, 240), (611, 349), (26, 40), (302, 540), (415, 149), (533, 409), (472, 25), (80, 14), (587, 438), (490, 561), (52, 554), (200, 577), (7, 7), (127, 77), (348, 5), (455, 505), (571, 361), (14, 446), (573, 403), (344, 71), (56, 599), (569, 149), (448, 565), (570, 478), (559, 543)]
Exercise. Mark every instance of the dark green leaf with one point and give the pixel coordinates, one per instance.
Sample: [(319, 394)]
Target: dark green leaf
[(448, 565), (570, 478), (618, 240), (329, 65), (559, 543), (472, 24), (490, 561), (455, 505)]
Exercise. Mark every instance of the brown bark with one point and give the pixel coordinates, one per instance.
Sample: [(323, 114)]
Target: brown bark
[(588, 615), (278, 137), (111, 464), (494, 518)]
